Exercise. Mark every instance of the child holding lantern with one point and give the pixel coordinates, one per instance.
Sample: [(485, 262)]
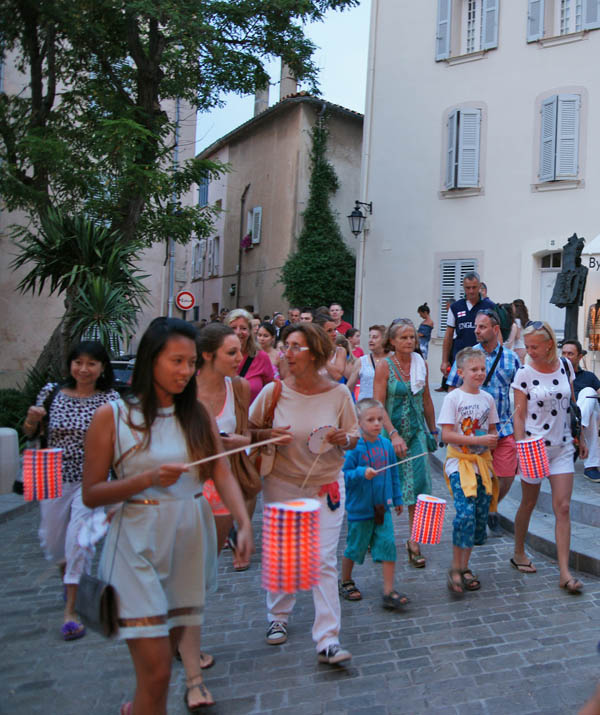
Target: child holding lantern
[(468, 418), (369, 496)]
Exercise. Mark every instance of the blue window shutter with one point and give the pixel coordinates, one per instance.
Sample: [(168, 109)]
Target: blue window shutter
[(442, 38), (591, 14), (468, 148), (535, 20), (548, 139), (567, 136), (490, 24), (451, 151)]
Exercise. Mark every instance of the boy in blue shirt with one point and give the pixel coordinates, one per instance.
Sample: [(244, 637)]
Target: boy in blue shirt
[(369, 497)]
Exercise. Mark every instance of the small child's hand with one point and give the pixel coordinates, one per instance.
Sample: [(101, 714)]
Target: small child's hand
[(489, 440), (399, 509), (370, 473)]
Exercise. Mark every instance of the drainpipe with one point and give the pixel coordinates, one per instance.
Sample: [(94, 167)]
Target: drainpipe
[(241, 250), (171, 299)]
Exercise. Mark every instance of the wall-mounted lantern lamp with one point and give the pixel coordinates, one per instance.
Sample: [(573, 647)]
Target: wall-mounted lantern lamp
[(357, 218)]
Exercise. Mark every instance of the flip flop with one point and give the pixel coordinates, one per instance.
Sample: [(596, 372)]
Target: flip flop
[(71, 631), (573, 585), (523, 568)]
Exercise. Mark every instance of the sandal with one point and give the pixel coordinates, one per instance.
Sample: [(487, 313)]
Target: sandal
[(349, 591), (523, 568), (204, 692), (415, 558), (394, 600), (470, 581), (573, 586), (455, 582), (71, 630)]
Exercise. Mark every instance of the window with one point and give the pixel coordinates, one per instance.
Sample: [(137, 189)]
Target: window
[(559, 138), (198, 259), (551, 260), (462, 157), (476, 23), (452, 273), (203, 192), (554, 18), (212, 257)]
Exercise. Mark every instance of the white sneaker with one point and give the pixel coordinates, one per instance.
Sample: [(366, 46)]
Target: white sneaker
[(334, 654), (276, 633)]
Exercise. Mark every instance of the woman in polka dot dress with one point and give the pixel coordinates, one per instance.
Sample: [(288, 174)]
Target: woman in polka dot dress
[(542, 391)]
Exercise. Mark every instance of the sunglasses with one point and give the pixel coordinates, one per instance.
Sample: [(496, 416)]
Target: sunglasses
[(538, 325), (490, 314)]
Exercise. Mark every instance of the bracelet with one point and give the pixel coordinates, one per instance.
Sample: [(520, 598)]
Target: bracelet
[(434, 431), (393, 432)]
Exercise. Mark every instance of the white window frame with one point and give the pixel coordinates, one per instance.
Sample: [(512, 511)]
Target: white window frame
[(553, 22), (452, 272), (472, 38)]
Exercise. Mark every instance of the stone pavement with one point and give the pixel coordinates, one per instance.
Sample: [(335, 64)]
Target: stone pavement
[(520, 645)]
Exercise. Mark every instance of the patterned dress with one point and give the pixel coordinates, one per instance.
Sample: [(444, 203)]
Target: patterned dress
[(407, 416)]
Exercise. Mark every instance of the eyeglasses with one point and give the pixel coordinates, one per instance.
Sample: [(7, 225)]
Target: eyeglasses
[(295, 349)]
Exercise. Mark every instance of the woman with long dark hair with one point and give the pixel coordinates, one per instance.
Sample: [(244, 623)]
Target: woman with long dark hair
[(64, 412), (154, 553)]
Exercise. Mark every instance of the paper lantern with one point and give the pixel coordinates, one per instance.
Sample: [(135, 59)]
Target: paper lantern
[(428, 519), (42, 474), (291, 547), (533, 458)]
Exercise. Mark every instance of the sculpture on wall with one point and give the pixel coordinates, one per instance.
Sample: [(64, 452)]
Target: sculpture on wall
[(570, 284)]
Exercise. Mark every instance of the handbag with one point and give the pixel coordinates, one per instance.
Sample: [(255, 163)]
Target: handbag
[(264, 457), (242, 466), (574, 414)]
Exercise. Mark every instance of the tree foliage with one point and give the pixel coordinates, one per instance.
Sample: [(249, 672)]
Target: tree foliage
[(321, 270)]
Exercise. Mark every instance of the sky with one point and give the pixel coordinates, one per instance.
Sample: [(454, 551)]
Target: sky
[(342, 42)]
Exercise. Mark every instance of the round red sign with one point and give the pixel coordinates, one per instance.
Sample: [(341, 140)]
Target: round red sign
[(185, 300)]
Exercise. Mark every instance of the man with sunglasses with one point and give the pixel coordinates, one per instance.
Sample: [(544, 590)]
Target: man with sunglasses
[(501, 365), (460, 323), (587, 391)]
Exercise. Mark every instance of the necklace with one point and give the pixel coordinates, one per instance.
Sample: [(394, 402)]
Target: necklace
[(405, 375)]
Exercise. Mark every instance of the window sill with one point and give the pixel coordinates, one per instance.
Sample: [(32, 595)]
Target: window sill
[(559, 185), (562, 39), (468, 57), (460, 193)]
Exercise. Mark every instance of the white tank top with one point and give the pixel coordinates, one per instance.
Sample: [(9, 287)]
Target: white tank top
[(226, 418), (519, 341), (366, 377)]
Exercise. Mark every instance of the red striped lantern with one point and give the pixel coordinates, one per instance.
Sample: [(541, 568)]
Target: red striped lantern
[(42, 474), (533, 458), (291, 546), (428, 519)]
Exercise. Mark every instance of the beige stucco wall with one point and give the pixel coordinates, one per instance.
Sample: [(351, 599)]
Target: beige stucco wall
[(509, 224), (28, 320), (274, 158)]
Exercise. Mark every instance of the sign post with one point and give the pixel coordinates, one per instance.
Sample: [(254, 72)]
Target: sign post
[(185, 300)]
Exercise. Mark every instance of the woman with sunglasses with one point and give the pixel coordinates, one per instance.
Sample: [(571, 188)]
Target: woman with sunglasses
[(309, 399), (542, 391), (401, 384)]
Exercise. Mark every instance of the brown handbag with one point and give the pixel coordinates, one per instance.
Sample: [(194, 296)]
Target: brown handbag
[(242, 466), (264, 457)]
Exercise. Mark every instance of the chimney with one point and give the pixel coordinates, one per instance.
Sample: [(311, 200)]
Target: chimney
[(288, 84), (261, 100)]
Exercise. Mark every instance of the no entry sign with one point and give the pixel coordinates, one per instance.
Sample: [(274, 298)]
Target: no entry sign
[(185, 300)]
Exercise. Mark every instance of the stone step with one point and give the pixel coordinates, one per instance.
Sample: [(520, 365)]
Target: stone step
[(585, 526)]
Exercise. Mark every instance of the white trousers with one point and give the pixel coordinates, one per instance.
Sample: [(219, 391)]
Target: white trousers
[(326, 626), (590, 417), (61, 520)]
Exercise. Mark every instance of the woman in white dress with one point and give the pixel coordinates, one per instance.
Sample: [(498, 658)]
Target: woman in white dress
[(542, 391), (363, 372), (158, 531)]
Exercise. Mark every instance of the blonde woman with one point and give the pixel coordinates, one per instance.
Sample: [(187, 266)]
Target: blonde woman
[(256, 366), (542, 391)]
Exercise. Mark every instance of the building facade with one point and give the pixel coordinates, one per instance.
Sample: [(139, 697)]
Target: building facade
[(262, 199), (479, 152)]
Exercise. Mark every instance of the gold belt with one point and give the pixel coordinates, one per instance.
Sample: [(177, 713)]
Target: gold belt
[(155, 502)]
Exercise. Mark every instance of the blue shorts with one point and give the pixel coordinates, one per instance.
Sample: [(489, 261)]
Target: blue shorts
[(365, 533)]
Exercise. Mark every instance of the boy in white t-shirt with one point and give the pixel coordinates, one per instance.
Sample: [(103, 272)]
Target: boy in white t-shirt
[(468, 418)]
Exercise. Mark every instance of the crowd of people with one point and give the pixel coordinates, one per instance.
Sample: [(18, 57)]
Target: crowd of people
[(153, 460)]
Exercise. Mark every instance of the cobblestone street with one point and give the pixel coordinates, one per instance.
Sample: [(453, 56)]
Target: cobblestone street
[(520, 645)]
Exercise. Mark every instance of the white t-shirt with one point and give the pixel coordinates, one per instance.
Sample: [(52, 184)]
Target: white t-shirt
[(519, 341), (366, 376), (469, 414), (548, 395)]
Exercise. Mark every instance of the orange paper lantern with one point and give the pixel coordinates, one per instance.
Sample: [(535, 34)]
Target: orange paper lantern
[(428, 519), (42, 474)]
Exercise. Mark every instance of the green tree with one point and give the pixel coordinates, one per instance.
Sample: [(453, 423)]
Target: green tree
[(94, 134), (321, 270)]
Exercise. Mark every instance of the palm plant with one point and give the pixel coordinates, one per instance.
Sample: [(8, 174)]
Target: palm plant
[(92, 266)]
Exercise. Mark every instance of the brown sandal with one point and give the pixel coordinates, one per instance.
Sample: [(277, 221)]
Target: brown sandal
[(470, 581), (415, 558), (455, 582)]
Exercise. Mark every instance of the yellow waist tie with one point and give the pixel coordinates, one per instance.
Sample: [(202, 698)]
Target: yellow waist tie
[(468, 474)]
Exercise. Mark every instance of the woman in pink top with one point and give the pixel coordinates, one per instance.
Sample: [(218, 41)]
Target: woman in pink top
[(256, 365)]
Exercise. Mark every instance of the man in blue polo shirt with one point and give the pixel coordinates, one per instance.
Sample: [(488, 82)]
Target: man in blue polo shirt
[(460, 323), (587, 388), (504, 456)]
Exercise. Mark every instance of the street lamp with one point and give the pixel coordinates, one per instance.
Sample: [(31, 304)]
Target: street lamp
[(357, 218)]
